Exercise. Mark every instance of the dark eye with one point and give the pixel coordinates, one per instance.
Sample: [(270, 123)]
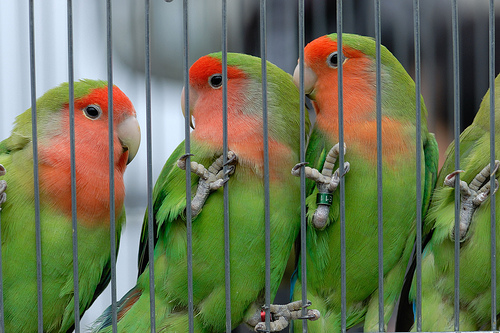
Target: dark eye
[(333, 60), (92, 111), (215, 81)]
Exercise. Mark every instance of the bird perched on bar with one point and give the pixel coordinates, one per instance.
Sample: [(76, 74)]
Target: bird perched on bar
[(245, 197), (18, 212), (322, 58), (438, 286)]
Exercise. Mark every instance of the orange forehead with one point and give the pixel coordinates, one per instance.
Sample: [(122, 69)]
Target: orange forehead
[(319, 49), (207, 66), (99, 96)]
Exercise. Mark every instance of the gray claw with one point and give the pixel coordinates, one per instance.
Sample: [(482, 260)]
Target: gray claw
[(282, 315), (181, 162), (327, 182), (296, 168), (232, 158), (471, 196), (211, 179)]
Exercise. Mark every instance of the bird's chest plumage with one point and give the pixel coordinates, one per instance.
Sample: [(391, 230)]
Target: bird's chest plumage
[(92, 180)]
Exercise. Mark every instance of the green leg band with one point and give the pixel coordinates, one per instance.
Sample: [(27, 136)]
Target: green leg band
[(324, 199)]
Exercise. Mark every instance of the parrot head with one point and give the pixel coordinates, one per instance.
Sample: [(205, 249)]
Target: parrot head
[(321, 61), (358, 57), (244, 102), (91, 117), (91, 137)]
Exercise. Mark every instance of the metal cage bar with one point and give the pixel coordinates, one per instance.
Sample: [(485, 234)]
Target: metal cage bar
[(149, 165), (491, 77), (227, 254), (343, 250), (187, 147), (38, 236), (380, 198), (418, 166), (456, 112), (112, 222), (303, 221), (267, 218), (74, 220)]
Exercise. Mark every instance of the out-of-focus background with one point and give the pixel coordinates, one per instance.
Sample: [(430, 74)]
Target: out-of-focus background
[(205, 37)]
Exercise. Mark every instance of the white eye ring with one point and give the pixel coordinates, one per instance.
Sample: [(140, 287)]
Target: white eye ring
[(92, 111), (333, 60), (215, 81)]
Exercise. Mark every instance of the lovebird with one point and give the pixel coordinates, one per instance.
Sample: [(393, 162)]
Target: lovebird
[(246, 203), (398, 100), (438, 287), (92, 197)]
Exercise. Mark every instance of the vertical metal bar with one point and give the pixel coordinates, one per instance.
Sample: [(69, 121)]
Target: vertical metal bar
[(343, 264), (38, 234), (418, 154), (187, 145), (227, 257), (303, 221), (380, 219), (456, 112), (112, 222), (267, 219), (74, 220), (149, 165), (491, 74)]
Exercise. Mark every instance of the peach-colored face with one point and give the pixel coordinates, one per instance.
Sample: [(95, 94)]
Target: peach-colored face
[(91, 155), (321, 59), (244, 111)]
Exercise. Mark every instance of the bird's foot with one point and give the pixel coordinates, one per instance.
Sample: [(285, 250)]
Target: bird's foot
[(281, 315), (472, 195), (327, 182), (3, 186), (211, 179)]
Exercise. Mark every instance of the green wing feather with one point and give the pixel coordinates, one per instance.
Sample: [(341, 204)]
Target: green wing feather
[(169, 201)]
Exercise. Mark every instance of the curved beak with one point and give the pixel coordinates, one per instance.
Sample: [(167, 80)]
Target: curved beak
[(310, 79), (192, 100), (129, 134)]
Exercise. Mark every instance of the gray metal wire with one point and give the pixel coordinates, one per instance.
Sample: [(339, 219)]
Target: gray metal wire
[(227, 254), (380, 198), (149, 166), (491, 76), (187, 145), (418, 154), (38, 240), (343, 263), (456, 112), (112, 222), (267, 218), (303, 221), (74, 220)]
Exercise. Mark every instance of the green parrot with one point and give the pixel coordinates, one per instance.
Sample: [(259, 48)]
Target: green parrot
[(92, 196), (246, 203), (321, 59), (438, 287)]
